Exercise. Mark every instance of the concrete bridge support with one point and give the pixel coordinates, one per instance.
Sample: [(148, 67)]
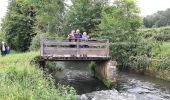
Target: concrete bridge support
[(106, 72)]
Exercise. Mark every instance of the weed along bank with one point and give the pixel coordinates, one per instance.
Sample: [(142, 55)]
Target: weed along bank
[(96, 51)]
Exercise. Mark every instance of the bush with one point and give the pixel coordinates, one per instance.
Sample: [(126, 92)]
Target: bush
[(160, 34), (139, 63), (162, 37), (132, 55), (35, 44), (164, 64)]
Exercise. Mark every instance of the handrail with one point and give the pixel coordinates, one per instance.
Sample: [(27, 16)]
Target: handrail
[(77, 48)]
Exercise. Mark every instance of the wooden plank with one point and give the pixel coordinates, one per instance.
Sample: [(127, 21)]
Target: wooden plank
[(74, 58), (61, 48), (75, 43), (74, 51), (93, 52), (60, 43)]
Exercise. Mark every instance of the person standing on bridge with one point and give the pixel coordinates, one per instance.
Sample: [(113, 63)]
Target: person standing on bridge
[(78, 35), (85, 37), (71, 38)]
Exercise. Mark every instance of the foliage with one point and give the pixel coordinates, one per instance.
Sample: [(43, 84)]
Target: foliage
[(124, 52), (162, 50), (2, 37), (164, 64), (49, 15), (53, 67), (20, 80), (18, 25), (26, 18), (84, 15), (159, 34), (119, 22), (35, 43), (139, 63), (161, 18)]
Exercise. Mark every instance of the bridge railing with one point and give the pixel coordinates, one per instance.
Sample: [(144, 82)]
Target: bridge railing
[(79, 48)]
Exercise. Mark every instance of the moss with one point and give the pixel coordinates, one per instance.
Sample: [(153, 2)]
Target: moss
[(106, 81)]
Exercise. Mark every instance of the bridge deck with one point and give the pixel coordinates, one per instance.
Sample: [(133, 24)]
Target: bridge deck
[(50, 58), (57, 50)]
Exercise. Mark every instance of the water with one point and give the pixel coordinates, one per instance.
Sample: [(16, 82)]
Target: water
[(79, 76), (129, 86), (144, 87)]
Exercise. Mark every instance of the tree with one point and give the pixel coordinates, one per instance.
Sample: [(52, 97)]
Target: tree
[(49, 15), (27, 18), (119, 24), (18, 25), (161, 18), (120, 21), (84, 15)]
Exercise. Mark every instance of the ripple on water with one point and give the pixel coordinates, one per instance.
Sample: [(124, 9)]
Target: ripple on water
[(144, 88), (106, 95)]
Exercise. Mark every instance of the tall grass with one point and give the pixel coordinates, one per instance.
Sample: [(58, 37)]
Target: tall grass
[(19, 80)]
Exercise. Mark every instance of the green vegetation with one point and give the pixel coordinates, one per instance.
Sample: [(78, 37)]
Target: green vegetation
[(117, 22), (163, 50), (18, 25), (20, 80), (159, 65), (159, 34), (28, 21), (85, 15), (107, 82), (159, 19)]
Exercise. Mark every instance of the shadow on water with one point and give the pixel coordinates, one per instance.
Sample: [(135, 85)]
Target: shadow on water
[(79, 76)]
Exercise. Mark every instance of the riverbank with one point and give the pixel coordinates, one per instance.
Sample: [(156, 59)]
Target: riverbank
[(159, 61), (19, 79), (159, 68)]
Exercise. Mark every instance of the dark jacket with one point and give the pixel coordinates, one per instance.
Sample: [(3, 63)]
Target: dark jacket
[(5, 47)]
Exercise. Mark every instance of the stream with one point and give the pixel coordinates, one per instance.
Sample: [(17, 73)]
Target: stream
[(129, 86)]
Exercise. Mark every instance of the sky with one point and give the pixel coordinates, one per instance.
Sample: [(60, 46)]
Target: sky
[(3, 8), (147, 7)]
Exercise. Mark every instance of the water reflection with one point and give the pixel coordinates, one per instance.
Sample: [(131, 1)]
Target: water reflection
[(79, 76)]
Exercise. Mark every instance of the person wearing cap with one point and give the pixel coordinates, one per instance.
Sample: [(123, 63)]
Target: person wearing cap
[(3, 48), (78, 35)]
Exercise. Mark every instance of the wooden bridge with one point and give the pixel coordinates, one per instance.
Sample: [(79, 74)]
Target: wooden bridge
[(63, 50), (91, 50)]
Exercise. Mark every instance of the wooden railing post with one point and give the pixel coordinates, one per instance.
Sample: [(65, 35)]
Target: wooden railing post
[(77, 47), (107, 48)]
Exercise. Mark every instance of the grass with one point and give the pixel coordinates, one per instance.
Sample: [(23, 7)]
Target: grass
[(19, 80), (163, 50)]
